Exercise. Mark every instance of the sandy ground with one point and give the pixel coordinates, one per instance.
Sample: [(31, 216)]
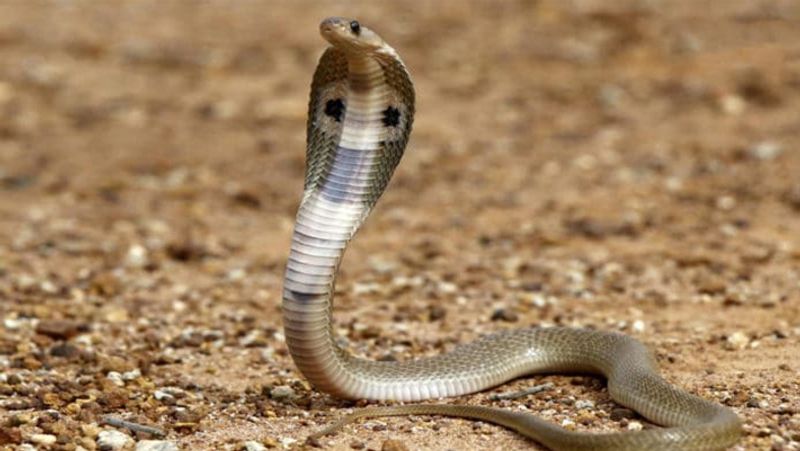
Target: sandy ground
[(623, 165)]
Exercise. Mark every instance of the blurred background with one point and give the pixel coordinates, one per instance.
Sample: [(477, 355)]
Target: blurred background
[(627, 165)]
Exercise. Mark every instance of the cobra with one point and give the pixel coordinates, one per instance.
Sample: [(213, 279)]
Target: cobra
[(360, 116)]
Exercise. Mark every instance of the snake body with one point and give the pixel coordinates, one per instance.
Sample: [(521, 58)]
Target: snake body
[(360, 116)]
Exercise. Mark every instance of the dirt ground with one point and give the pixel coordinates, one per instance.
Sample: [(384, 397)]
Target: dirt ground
[(623, 165)]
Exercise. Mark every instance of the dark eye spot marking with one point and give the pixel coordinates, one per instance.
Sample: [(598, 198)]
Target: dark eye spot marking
[(391, 117), (335, 109), (355, 27)]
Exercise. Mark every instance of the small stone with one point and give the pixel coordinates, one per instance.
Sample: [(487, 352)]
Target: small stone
[(116, 378), (584, 404), (737, 340), (638, 326), (726, 203), (357, 445), (59, 329), (503, 314), (282, 393), (156, 445), (65, 350), (253, 445), (732, 104), (112, 440), (136, 256), (766, 150), (164, 397), (619, 414), (90, 430), (393, 445), (132, 375), (43, 439), (436, 313), (635, 426)]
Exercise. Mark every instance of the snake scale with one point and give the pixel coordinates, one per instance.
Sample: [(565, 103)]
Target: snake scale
[(360, 116)]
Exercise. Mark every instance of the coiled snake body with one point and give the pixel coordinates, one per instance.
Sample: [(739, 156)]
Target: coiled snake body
[(360, 116)]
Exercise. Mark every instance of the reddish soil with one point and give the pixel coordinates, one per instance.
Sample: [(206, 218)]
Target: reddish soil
[(623, 165)]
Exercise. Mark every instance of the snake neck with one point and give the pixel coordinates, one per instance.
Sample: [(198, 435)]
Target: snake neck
[(332, 210)]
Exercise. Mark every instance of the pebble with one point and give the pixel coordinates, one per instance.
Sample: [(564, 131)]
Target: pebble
[(436, 312), (584, 404), (635, 426), (58, 329), (732, 104), (737, 340), (282, 393), (132, 375), (503, 314), (136, 256), (116, 378), (393, 445), (112, 440), (253, 445), (156, 445), (766, 150), (43, 439), (164, 397), (619, 414)]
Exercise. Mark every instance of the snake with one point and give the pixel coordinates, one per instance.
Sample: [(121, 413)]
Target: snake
[(360, 115)]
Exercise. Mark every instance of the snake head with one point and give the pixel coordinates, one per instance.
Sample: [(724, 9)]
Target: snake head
[(350, 36)]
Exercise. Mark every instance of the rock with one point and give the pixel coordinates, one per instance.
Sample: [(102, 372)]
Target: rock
[(59, 329), (635, 426), (65, 350), (620, 413), (43, 439), (116, 378), (503, 314), (732, 104), (164, 397), (436, 312), (764, 151), (584, 404), (737, 340), (253, 445), (156, 445), (282, 393), (393, 445), (111, 440), (136, 257)]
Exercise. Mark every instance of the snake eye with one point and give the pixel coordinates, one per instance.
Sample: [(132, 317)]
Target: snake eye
[(355, 27)]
